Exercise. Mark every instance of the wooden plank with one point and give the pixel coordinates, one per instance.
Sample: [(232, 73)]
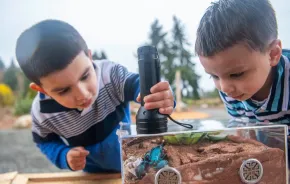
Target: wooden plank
[(110, 181), (5, 182), (70, 176), (7, 178), (19, 179)]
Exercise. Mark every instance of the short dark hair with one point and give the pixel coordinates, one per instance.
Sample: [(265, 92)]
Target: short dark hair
[(46, 47), (229, 22)]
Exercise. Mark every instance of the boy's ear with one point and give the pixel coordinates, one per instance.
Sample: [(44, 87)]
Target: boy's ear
[(90, 54), (275, 52), (36, 87)]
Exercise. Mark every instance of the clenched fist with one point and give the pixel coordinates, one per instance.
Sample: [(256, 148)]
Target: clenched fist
[(161, 98), (76, 158)]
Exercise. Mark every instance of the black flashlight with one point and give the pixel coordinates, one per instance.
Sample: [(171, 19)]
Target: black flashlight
[(149, 121)]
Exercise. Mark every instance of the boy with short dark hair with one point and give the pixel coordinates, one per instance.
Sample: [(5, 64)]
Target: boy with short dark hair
[(80, 101), (237, 43)]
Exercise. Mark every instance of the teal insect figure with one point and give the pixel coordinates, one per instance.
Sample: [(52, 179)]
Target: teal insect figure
[(155, 158)]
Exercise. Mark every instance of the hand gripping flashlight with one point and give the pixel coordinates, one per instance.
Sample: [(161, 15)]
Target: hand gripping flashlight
[(150, 121)]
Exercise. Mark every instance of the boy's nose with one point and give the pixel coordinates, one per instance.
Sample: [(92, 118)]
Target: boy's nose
[(227, 87), (82, 94)]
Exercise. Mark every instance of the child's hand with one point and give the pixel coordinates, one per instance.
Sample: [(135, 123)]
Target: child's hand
[(76, 158), (161, 98)]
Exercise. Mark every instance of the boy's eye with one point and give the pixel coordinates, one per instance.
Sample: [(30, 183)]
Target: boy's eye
[(85, 77), (63, 91), (214, 77), (237, 74)]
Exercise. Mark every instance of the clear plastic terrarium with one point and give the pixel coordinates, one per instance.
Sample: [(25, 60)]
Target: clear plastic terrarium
[(208, 154)]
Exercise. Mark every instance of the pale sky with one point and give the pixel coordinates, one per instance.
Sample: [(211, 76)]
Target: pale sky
[(117, 26)]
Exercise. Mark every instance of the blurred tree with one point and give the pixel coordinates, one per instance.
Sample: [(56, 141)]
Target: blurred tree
[(2, 68), (103, 55), (184, 60), (96, 56), (168, 67), (175, 56), (157, 36), (26, 91), (10, 76)]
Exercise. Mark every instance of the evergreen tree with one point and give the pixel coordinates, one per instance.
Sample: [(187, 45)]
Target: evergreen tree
[(10, 76), (102, 55), (175, 56), (2, 66)]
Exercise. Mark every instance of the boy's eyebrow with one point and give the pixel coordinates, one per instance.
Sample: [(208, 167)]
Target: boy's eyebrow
[(59, 89), (85, 72), (234, 70), (62, 88), (208, 73)]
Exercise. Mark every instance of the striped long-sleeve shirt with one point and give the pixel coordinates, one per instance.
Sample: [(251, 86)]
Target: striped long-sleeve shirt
[(274, 109), (56, 129)]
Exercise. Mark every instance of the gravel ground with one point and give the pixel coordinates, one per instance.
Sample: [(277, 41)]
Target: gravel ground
[(18, 153)]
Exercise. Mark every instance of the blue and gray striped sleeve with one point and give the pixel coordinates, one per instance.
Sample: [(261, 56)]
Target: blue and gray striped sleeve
[(50, 144), (125, 83)]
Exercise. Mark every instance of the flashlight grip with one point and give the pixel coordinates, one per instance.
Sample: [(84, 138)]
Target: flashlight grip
[(149, 70)]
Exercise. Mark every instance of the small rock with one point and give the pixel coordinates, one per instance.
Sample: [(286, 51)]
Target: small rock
[(157, 141), (192, 157), (200, 150), (140, 145), (24, 121), (184, 159), (174, 160)]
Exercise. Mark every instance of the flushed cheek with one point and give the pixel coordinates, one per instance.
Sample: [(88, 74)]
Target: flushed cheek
[(247, 87), (67, 102), (217, 85), (92, 89)]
